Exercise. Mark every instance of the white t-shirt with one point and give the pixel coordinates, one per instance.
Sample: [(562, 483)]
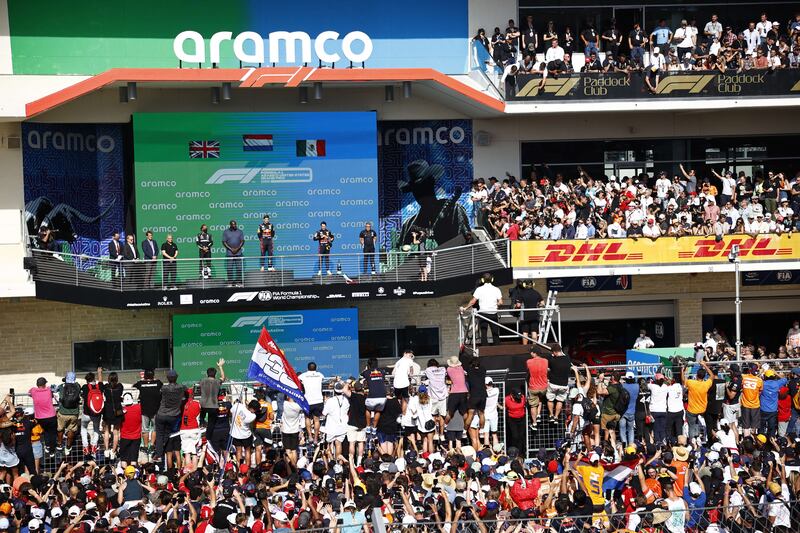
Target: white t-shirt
[(728, 185), (437, 387), (487, 295), (492, 395), (752, 38), (401, 372), (778, 509), (643, 341), (291, 418), (675, 398), (241, 418), (658, 397), (312, 383), (663, 185), (336, 412), (763, 28), (683, 36)]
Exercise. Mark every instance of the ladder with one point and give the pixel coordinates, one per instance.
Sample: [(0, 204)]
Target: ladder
[(546, 319)]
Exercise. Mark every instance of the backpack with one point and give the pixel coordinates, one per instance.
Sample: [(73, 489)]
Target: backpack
[(70, 396), (622, 401), (796, 399), (590, 411), (95, 399)]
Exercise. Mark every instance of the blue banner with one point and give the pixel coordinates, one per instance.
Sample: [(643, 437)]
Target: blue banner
[(424, 176), (636, 361), (74, 178)]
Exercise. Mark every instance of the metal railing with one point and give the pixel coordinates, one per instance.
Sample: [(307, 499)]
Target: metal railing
[(274, 271)]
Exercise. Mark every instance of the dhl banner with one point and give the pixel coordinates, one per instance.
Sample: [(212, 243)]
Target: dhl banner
[(663, 255), (618, 85)]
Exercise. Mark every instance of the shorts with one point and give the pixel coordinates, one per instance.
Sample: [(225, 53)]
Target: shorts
[(438, 407), (148, 423), (173, 444), (489, 425), (454, 436), (246, 443), (535, 396), (731, 412), (385, 437), (334, 438), (605, 419), (291, 441), (262, 437), (401, 392), (356, 435), (457, 402), (190, 439), (476, 403), (38, 449), (315, 410), (129, 450), (219, 440), (68, 423), (110, 419), (375, 404), (557, 393), (751, 417)]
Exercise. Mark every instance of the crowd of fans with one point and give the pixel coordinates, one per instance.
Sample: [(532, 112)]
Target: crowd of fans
[(763, 44), (551, 206), (700, 446)]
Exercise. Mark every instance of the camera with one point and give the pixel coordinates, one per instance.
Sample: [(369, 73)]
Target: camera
[(733, 256)]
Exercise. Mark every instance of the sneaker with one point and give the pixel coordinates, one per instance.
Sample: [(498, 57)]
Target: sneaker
[(271, 269), (329, 272), (262, 269), (534, 428), (68, 451), (373, 272)]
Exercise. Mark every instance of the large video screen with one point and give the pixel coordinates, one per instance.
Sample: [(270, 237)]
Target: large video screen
[(300, 168), (328, 337)]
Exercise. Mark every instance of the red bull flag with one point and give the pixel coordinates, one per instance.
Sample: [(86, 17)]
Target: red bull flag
[(270, 367)]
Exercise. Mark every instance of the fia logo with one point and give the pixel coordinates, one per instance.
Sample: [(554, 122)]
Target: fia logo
[(589, 283), (784, 276), (265, 296)]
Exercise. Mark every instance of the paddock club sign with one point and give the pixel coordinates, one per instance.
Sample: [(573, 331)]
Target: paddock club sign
[(620, 86), (666, 254)]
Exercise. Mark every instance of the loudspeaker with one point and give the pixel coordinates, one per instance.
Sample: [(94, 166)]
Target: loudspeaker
[(483, 138)]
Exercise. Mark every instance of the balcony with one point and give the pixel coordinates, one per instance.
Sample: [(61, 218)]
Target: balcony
[(285, 280)]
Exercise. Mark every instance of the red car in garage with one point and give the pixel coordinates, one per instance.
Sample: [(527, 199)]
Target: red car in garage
[(596, 348)]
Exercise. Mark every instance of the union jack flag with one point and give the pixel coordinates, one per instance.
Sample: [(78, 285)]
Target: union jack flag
[(204, 149)]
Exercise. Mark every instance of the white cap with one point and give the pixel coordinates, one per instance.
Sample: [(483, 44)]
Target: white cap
[(4, 523), (56, 512), (656, 50), (302, 462), (629, 375), (74, 511), (280, 516), (232, 518), (348, 504), (127, 400), (712, 456), (90, 506), (694, 488), (28, 411), (34, 524), (400, 463), (488, 380), (149, 508), (37, 512), (593, 457), (612, 178), (498, 448)]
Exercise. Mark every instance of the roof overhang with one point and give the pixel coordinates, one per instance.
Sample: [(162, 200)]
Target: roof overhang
[(474, 102)]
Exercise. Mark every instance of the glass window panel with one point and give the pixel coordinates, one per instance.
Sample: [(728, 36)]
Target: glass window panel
[(376, 343), (90, 355), (147, 353), (422, 341)]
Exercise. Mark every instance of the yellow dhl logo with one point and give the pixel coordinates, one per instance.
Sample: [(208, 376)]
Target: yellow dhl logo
[(560, 87), (692, 84)]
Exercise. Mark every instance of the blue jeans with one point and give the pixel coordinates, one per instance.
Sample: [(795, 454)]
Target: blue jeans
[(626, 427), (769, 423), (591, 47), (693, 421), (637, 56), (793, 421), (659, 426)]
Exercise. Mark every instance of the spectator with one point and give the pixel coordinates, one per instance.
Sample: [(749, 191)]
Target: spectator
[(112, 414), (558, 371), (45, 414), (168, 414), (150, 399), (589, 38)]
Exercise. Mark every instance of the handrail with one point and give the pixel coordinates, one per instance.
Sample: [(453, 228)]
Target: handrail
[(274, 271)]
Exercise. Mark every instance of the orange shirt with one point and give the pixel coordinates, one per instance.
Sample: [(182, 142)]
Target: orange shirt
[(751, 391), (537, 368), (698, 395), (267, 423), (655, 489), (681, 467)]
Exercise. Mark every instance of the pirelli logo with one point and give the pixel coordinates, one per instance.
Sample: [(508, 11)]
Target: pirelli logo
[(560, 87), (692, 84)]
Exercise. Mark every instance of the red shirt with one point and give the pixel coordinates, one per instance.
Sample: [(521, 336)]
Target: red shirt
[(515, 409), (513, 232), (131, 428), (191, 415), (524, 492), (784, 405), (537, 369)]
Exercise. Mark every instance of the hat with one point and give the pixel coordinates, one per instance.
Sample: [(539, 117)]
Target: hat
[(498, 448), (420, 171), (468, 451), (280, 516), (660, 516), (171, 373), (74, 511), (695, 489), (348, 504), (338, 387), (761, 438), (769, 373), (70, 378), (512, 476), (775, 488), (127, 400), (427, 481), (55, 512), (206, 512), (593, 457), (28, 411), (631, 450), (656, 50), (447, 481), (34, 525), (453, 361), (4, 523), (124, 515), (488, 380), (37, 512), (630, 375), (681, 453)]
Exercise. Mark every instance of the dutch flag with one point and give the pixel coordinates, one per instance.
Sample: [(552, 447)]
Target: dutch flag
[(257, 143)]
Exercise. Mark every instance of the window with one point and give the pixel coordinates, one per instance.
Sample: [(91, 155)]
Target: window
[(136, 354), (390, 343)]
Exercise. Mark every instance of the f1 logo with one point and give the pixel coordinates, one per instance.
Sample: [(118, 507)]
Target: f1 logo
[(242, 296)]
